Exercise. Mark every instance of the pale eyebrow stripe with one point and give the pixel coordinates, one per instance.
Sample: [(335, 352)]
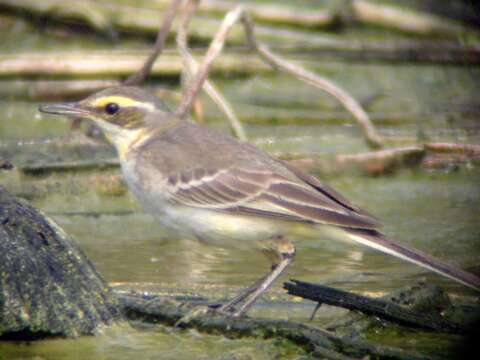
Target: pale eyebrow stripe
[(122, 102)]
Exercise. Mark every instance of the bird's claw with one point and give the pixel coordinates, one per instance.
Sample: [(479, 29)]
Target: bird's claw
[(192, 314), (229, 311)]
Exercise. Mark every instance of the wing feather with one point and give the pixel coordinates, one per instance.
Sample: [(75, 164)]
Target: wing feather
[(304, 196), (215, 190), (265, 194), (325, 190), (319, 214)]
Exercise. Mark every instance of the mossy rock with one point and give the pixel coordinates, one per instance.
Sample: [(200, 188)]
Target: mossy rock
[(48, 287)]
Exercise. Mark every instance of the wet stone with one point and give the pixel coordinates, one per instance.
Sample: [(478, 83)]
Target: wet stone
[(47, 285)]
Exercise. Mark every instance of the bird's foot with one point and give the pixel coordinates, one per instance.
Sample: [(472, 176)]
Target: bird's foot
[(192, 314), (213, 309), (228, 310), (215, 306)]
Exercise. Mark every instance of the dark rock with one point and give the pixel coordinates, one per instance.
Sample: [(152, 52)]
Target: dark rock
[(48, 287)]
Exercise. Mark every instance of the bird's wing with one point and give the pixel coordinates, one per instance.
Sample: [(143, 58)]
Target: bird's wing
[(268, 194), (263, 193)]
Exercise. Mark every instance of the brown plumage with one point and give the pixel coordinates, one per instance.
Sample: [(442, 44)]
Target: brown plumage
[(269, 188), (210, 184)]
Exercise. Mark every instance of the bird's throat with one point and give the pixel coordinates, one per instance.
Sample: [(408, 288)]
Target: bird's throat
[(126, 140)]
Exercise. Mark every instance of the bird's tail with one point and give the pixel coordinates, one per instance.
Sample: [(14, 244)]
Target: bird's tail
[(376, 240)]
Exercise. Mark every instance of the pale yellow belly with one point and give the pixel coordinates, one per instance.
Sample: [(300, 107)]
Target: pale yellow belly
[(223, 229)]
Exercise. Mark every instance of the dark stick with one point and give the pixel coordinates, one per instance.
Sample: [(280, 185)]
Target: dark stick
[(140, 76), (374, 139), (381, 308)]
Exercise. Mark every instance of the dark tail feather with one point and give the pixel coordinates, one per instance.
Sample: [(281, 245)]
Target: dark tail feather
[(376, 240)]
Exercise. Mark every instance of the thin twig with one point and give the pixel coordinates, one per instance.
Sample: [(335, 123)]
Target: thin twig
[(140, 76), (213, 51), (189, 65), (191, 68), (226, 107), (386, 154), (443, 147), (275, 13), (373, 138)]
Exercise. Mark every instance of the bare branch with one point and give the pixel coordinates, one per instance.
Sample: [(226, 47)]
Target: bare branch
[(191, 68), (373, 138), (466, 149), (273, 13), (189, 65), (226, 107), (213, 51), (386, 155), (140, 76)]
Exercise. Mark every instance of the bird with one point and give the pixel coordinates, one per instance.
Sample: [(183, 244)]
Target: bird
[(208, 185)]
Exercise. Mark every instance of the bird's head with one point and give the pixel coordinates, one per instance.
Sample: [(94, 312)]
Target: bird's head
[(123, 112)]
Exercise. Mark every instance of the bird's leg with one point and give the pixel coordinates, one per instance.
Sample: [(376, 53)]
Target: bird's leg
[(284, 252), (229, 306), (265, 285)]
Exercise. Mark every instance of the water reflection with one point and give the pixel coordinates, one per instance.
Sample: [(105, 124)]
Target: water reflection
[(123, 342)]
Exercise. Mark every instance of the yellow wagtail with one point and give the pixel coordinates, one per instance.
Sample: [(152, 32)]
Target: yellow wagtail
[(226, 192)]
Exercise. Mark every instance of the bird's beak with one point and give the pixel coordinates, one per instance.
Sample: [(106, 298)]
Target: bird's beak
[(68, 109)]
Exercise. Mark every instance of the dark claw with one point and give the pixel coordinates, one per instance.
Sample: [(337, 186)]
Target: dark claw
[(214, 306)]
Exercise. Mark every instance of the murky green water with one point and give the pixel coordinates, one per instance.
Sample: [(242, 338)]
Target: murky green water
[(123, 342), (436, 211)]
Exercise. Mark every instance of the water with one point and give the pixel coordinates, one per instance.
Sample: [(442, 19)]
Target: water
[(123, 342), (435, 211)]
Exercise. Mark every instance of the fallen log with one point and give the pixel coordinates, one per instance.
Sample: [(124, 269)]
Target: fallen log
[(420, 297), (107, 15), (407, 19), (52, 90), (312, 339), (385, 309), (111, 64)]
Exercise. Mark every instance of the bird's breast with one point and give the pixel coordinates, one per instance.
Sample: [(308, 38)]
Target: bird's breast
[(148, 185)]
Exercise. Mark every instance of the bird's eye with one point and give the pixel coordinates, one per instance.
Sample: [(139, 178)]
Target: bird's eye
[(112, 108)]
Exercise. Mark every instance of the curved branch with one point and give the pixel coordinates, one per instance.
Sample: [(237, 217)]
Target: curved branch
[(371, 135), (213, 51), (191, 68)]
